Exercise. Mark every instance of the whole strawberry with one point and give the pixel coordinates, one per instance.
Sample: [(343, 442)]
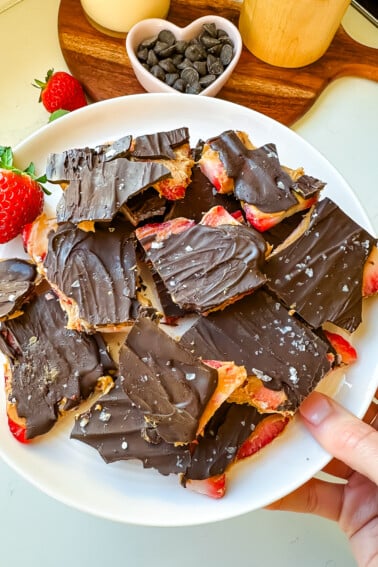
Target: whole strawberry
[(21, 196), (60, 91)]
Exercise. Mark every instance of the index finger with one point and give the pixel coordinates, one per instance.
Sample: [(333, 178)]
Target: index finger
[(342, 434)]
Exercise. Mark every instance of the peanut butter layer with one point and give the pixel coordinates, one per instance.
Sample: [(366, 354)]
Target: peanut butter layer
[(17, 282), (119, 431), (319, 274), (96, 273), (165, 381), (52, 369), (205, 267), (258, 333)]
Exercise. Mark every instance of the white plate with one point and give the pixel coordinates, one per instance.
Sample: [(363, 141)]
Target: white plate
[(74, 473)]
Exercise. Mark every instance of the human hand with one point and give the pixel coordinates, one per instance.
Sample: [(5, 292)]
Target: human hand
[(354, 502)]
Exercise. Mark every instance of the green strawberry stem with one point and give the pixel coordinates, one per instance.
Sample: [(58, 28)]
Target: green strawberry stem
[(6, 162)]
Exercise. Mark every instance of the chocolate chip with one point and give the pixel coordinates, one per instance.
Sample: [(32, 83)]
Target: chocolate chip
[(187, 66)]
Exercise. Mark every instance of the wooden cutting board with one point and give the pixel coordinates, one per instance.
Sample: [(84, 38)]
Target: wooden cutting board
[(101, 64)]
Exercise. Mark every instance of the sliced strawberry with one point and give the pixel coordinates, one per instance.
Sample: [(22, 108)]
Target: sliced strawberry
[(215, 486), (230, 377), (344, 349), (267, 430), (370, 276), (264, 221), (18, 431), (218, 216), (161, 231), (254, 392), (170, 190), (212, 167)]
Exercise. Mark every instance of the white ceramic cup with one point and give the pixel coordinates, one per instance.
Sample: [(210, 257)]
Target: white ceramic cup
[(290, 33), (116, 17)]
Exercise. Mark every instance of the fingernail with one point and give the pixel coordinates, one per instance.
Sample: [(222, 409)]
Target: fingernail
[(316, 408)]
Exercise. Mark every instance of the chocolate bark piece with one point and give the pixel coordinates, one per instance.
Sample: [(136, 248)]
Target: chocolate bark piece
[(170, 309), (225, 433), (95, 274), (258, 176), (52, 369), (258, 333), (165, 381), (159, 145), (204, 268), (17, 282), (201, 196), (320, 274), (99, 193), (118, 430), (67, 165), (308, 186), (146, 205)]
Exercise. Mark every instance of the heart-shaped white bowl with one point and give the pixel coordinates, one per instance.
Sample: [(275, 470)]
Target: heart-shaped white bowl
[(151, 27)]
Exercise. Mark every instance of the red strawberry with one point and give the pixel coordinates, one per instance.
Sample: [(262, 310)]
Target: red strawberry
[(267, 430), (215, 486), (344, 349), (21, 196), (60, 91), (18, 431)]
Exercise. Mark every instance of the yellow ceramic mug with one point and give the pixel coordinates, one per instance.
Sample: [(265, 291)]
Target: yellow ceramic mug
[(116, 17), (290, 33)]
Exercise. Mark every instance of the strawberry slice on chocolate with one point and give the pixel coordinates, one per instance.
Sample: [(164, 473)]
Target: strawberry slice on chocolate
[(268, 192), (319, 271), (49, 368)]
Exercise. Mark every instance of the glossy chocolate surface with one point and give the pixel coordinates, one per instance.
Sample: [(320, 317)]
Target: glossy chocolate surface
[(320, 274), (17, 278), (159, 145), (258, 333), (165, 381), (119, 431), (258, 176), (53, 369), (206, 267), (97, 270)]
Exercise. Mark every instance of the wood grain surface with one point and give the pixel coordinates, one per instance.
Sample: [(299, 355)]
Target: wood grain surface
[(101, 64)]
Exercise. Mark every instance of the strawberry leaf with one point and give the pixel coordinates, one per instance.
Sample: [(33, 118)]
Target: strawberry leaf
[(57, 114), (6, 157)]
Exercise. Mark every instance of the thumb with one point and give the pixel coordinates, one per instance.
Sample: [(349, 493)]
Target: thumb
[(342, 434)]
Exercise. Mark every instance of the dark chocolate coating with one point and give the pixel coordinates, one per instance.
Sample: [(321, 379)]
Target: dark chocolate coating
[(160, 145), (258, 333), (144, 206), (227, 430), (68, 165), (206, 267), (118, 430), (258, 176), (49, 363), (97, 270), (320, 274), (102, 191), (200, 196), (279, 232), (165, 381), (17, 279), (308, 186)]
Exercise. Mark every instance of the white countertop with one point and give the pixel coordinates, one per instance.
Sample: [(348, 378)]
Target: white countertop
[(37, 531)]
